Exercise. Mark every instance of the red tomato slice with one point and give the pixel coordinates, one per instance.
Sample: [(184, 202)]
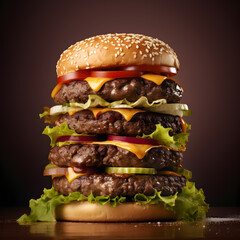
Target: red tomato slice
[(115, 74), (76, 139), (165, 70), (123, 72), (79, 75), (133, 140)]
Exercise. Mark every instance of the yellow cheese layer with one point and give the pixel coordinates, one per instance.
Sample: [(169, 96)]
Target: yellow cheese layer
[(158, 79), (55, 90), (139, 150), (127, 113), (72, 175), (97, 83)]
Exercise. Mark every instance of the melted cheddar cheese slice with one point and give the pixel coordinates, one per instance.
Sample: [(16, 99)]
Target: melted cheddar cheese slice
[(96, 83), (72, 175), (125, 112), (139, 150)]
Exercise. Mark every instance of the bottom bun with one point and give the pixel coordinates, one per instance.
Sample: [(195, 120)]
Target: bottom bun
[(126, 212)]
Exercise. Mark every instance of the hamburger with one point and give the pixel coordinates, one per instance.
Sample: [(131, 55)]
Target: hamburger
[(117, 135)]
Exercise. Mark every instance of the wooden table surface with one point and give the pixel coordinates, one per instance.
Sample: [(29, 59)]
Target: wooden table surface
[(221, 223)]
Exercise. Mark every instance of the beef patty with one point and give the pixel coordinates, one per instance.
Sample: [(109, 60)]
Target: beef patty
[(131, 89), (97, 155), (113, 123), (112, 185)]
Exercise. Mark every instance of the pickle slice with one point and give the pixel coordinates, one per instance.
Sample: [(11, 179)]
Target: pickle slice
[(49, 166), (130, 170)]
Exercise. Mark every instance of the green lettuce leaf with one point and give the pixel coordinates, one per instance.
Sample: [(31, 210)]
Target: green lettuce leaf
[(42, 209), (96, 101), (55, 132), (188, 205), (161, 134), (160, 105)]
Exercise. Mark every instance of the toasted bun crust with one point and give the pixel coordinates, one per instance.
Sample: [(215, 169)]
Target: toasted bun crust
[(127, 212), (115, 50)]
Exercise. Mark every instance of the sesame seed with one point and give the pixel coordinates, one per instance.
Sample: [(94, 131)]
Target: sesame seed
[(153, 47)]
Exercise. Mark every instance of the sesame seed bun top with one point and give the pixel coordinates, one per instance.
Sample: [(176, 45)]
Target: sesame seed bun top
[(116, 50)]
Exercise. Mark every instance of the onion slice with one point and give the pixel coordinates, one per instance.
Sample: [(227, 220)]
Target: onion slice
[(58, 171), (55, 171), (76, 139)]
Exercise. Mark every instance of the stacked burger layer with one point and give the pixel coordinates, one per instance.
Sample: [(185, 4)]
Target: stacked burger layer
[(119, 136)]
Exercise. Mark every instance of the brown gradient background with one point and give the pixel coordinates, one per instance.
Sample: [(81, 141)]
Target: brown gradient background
[(205, 35)]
